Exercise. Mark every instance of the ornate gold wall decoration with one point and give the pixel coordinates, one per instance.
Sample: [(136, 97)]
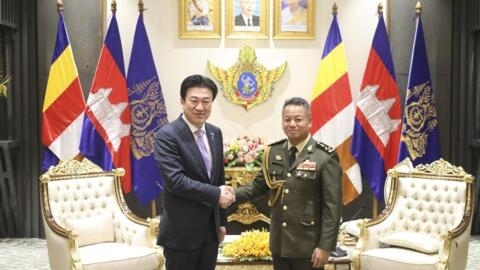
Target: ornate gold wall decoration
[(247, 83), (246, 213)]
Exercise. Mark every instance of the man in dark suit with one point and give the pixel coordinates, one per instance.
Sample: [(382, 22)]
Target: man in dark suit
[(189, 155), (304, 178), (246, 17)]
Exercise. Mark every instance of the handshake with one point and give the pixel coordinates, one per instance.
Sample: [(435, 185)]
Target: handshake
[(227, 196)]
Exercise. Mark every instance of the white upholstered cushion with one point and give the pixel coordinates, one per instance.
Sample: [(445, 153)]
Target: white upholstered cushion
[(92, 230), (397, 258), (118, 256), (416, 241)]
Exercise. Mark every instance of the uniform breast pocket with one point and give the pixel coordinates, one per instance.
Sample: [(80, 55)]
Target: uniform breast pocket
[(305, 181), (276, 170)]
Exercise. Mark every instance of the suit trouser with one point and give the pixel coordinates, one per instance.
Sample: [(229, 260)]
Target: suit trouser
[(203, 257), (282, 263)]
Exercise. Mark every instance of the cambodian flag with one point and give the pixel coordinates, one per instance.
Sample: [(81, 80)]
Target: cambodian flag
[(377, 127), (149, 113), (420, 136), (63, 105), (106, 127)]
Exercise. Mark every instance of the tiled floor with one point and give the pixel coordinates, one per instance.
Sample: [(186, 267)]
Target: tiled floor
[(23, 253)]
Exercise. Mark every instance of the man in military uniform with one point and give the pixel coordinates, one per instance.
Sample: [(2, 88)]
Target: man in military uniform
[(303, 177)]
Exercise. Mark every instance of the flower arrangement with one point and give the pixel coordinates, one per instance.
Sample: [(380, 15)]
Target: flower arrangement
[(244, 151), (250, 246)]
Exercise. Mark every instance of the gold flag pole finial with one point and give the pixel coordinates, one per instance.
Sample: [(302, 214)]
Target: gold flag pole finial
[(380, 8), (114, 6), (418, 8), (59, 5), (334, 9), (140, 6)]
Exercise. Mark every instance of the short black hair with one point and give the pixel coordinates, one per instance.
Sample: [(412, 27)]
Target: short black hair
[(298, 101), (198, 80)]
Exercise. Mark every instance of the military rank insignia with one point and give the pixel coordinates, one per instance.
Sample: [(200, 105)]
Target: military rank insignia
[(247, 83)]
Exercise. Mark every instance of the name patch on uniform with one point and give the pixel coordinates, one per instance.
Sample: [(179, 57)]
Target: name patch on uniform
[(307, 165)]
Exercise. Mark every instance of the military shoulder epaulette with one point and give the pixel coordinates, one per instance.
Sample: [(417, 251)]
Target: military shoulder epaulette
[(278, 142), (325, 147)]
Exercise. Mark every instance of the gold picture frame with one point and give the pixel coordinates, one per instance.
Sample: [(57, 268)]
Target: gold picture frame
[(301, 25), (236, 24), (199, 19)]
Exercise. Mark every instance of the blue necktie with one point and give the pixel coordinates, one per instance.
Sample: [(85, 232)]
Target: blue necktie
[(204, 150)]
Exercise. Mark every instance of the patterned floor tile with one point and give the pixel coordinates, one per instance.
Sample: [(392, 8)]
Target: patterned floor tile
[(31, 253)]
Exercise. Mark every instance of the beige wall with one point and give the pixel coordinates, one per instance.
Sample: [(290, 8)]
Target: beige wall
[(177, 58)]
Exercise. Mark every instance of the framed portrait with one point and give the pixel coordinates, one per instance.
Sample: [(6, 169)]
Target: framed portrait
[(294, 19), (199, 19), (247, 18)]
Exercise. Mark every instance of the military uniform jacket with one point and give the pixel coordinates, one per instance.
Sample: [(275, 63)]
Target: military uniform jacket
[(308, 209)]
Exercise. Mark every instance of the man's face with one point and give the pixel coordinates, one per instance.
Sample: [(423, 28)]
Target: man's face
[(247, 6), (295, 123), (293, 4), (197, 105)]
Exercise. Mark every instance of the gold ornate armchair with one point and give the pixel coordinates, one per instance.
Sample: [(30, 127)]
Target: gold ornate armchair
[(88, 224), (425, 224)]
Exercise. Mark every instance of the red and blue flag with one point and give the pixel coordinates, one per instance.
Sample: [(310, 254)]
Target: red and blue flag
[(377, 126), (105, 136)]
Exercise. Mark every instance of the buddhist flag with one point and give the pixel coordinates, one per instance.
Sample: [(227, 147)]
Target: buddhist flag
[(63, 105), (420, 135), (105, 136), (148, 112), (377, 127), (333, 109)]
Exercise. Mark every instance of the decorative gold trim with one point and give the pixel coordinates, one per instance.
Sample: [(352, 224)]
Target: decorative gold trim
[(247, 213), (239, 176), (442, 167), (75, 262), (272, 183)]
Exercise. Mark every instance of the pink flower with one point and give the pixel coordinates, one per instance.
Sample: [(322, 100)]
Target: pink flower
[(244, 151)]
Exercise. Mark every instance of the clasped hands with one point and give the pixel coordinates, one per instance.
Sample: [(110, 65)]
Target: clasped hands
[(227, 196)]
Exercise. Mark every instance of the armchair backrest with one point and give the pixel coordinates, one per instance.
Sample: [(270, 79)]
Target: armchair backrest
[(425, 224), (429, 200), (82, 205)]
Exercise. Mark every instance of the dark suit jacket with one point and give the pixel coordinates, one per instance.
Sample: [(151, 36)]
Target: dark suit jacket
[(189, 196), (240, 22), (308, 211)]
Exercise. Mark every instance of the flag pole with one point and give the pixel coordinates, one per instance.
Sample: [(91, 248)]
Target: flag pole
[(374, 199)]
